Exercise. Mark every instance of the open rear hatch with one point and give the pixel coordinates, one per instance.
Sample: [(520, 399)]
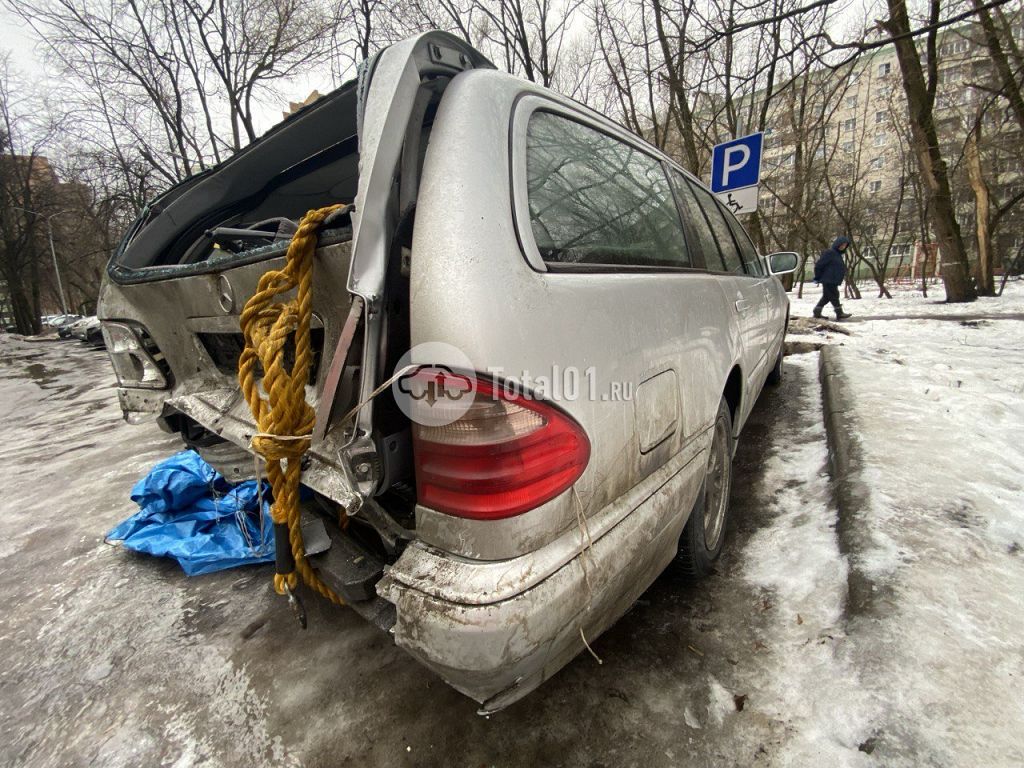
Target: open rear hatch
[(177, 285), (179, 281)]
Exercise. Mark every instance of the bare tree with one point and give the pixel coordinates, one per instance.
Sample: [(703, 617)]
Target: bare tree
[(999, 40), (26, 197), (179, 79), (920, 93)]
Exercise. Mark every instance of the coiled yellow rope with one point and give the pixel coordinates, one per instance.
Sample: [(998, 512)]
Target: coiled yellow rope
[(284, 420)]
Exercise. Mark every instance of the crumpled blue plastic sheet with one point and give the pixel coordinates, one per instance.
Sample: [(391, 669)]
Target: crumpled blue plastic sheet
[(189, 511)]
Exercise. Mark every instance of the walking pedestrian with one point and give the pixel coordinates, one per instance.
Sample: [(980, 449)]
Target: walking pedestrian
[(829, 270)]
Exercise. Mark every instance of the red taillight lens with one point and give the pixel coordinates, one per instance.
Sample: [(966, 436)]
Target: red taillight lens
[(503, 456)]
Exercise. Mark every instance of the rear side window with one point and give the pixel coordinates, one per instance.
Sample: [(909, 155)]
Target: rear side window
[(596, 200), (746, 245), (731, 260), (698, 223)]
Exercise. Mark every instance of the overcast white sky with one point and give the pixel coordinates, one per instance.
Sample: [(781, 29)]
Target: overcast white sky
[(30, 60)]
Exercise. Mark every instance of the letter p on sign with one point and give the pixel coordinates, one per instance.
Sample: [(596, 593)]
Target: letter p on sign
[(736, 157)]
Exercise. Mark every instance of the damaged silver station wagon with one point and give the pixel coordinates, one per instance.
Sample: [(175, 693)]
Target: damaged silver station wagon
[(519, 237)]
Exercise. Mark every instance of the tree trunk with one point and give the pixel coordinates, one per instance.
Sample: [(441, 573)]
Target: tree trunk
[(983, 275), (920, 104), (1011, 83), (899, 267), (21, 308)]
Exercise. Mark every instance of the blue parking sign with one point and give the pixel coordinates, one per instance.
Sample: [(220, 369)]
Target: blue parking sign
[(736, 164)]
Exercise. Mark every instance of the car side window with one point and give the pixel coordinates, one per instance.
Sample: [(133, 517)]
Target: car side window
[(596, 200), (698, 224), (746, 245), (723, 235)]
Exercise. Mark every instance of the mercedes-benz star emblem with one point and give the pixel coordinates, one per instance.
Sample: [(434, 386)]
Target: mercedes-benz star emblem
[(225, 295)]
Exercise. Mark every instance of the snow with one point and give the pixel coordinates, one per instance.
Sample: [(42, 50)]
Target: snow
[(938, 407), (909, 301), (117, 660), (796, 561)]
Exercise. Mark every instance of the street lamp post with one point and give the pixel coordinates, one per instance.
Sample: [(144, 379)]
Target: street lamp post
[(53, 253)]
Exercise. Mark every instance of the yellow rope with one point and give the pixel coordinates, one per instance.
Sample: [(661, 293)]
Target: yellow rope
[(284, 420)]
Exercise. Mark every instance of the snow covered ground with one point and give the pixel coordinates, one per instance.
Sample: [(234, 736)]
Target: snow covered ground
[(937, 402), (908, 301), (116, 659)]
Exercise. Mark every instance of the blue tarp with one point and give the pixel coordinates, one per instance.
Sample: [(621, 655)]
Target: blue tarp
[(188, 511)]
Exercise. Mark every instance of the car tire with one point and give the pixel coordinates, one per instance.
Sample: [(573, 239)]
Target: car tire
[(702, 539), (775, 374)]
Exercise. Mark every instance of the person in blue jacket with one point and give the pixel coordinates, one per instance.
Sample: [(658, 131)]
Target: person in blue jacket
[(829, 270)]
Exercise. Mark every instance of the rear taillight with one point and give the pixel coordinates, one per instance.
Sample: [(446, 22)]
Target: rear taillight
[(505, 455)]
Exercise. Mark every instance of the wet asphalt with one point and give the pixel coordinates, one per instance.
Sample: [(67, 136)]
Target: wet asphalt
[(110, 658)]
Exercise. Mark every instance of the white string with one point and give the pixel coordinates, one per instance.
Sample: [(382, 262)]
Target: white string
[(585, 553), (399, 374), (587, 645), (585, 546), (352, 412)]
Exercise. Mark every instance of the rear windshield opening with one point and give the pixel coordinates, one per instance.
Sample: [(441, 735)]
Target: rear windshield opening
[(249, 206)]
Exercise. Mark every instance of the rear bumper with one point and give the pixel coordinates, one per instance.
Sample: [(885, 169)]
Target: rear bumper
[(497, 644)]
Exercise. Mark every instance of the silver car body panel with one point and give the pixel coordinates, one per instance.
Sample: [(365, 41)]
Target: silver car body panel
[(495, 607)]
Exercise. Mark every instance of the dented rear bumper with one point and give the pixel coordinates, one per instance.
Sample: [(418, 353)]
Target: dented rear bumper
[(496, 630)]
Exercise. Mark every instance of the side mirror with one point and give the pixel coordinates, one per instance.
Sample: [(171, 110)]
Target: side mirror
[(783, 263)]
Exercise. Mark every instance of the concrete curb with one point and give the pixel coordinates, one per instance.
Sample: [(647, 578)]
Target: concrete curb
[(846, 466)]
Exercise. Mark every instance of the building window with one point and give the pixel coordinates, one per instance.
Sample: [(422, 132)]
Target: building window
[(849, 125), (875, 186), (879, 139), (848, 146), (950, 75), (851, 101), (957, 46), (788, 160), (877, 163), (879, 117), (884, 68)]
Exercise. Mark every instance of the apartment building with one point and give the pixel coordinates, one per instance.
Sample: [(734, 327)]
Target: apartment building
[(837, 152)]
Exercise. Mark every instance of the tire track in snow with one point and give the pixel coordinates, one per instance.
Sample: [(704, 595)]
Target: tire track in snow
[(795, 562)]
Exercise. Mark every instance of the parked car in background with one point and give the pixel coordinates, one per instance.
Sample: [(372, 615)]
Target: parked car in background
[(530, 235), (56, 320), (88, 329), (60, 321), (67, 330)]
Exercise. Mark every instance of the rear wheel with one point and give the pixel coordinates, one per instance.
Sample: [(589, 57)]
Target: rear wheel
[(701, 542)]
